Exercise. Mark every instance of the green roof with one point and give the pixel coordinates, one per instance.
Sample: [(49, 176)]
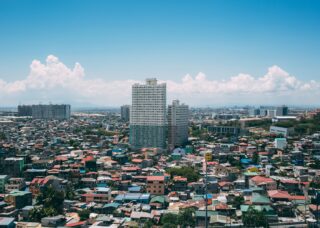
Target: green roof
[(202, 213), (258, 198), (251, 174), (18, 193), (158, 199)]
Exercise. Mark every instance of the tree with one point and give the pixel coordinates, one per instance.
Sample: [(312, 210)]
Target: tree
[(169, 220), (184, 219), (316, 164), (188, 172), (2, 136), (84, 214), (254, 218), (148, 224), (238, 201), (51, 198), (255, 158), (234, 162), (69, 193), (37, 213)]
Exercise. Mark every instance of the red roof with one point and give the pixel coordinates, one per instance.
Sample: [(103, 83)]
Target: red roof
[(88, 158), (263, 153), (136, 160), (155, 178), (288, 181), (130, 168), (278, 194), (297, 198), (260, 179), (76, 224), (94, 195), (313, 207), (221, 206), (212, 163), (179, 178), (38, 181), (61, 158), (224, 183)]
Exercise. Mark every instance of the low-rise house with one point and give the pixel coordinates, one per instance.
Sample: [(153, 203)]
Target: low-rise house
[(13, 166), (299, 171), (54, 221), (95, 197), (278, 195), (179, 183), (28, 225), (7, 222), (19, 199), (15, 184), (133, 197), (30, 174), (38, 184), (264, 182), (88, 182)]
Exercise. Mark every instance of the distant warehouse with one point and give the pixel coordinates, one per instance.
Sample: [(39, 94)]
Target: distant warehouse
[(50, 111), (224, 130)]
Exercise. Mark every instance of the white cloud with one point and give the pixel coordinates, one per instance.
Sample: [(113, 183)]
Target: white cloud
[(54, 81)]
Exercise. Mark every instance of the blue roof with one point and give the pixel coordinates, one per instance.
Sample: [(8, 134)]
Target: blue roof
[(102, 189), (114, 205), (132, 197), (245, 160), (134, 189)]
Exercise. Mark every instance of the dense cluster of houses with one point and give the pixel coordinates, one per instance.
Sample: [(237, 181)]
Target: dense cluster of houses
[(87, 158)]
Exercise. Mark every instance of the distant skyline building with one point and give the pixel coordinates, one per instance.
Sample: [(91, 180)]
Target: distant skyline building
[(254, 112), (148, 123), (125, 112), (51, 111), (24, 110), (178, 121), (282, 110)]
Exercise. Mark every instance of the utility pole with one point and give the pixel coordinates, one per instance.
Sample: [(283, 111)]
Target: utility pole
[(206, 191), (317, 201)]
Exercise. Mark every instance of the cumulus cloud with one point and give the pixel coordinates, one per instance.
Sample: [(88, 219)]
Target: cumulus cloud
[(54, 81)]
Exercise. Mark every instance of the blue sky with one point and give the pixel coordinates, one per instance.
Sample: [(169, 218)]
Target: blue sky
[(122, 40)]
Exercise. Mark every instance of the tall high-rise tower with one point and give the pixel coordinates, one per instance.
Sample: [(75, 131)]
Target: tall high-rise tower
[(148, 115), (178, 120), (125, 112)]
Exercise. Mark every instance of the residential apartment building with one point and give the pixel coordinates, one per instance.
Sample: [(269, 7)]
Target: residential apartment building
[(51, 111), (282, 111), (19, 199), (178, 120), (15, 184), (148, 115), (155, 185), (125, 112), (24, 110), (13, 166)]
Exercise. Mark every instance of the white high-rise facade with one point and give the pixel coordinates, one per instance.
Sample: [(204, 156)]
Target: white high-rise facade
[(178, 120), (148, 115)]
